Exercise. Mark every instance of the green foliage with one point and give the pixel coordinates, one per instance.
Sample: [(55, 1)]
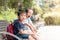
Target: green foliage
[(37, 9), (8, 8), (8, 15), (50, 20), (22, 4), (26, 4), (57, 20)]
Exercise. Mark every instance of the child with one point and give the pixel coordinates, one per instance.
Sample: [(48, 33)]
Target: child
[(21, 30)]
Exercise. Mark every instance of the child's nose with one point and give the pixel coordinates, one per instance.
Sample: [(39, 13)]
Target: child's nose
[(24, 18)]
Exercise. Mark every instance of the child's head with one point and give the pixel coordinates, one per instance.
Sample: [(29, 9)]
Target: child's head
[(29, 12), (21, 15)]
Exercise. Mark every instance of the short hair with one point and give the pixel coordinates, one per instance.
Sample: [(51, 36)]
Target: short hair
[(20, 12), (28, 9)]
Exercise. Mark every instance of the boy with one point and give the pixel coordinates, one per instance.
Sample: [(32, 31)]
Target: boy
[(21, 30)]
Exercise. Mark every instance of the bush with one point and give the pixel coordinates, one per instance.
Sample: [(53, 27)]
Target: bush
[(52, 18), (49, 20), (37, 9), (8, 15)]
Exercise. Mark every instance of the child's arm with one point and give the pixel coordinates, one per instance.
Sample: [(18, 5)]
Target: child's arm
[(24, 32), (20, 28), (32, 25), (32, 29)]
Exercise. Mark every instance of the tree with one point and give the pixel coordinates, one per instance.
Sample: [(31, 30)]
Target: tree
[(26, 4), (8, 8)]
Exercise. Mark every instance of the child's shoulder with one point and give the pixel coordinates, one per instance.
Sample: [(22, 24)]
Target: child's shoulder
[(18, 22)]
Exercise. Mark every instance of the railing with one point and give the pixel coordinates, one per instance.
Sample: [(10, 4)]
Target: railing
[(11, 35), (3, 30)]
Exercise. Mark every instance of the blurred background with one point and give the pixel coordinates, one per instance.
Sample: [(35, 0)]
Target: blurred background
[(45, 11)]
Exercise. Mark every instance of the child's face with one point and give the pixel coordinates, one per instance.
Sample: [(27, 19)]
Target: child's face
[(29, 14), (22, 16)]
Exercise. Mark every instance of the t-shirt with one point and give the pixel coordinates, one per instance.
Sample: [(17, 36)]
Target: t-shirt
[(28, 28), (28, 21), (20, 26)]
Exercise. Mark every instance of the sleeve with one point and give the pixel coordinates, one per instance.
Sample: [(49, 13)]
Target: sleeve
[(29, 20)]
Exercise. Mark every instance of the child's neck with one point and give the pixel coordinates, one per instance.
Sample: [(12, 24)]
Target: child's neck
[(20, 20)]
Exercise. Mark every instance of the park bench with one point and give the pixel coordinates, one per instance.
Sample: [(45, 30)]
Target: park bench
[(3, 28), (3, 31)]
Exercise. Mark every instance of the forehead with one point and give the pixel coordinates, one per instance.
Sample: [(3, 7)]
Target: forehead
[(30, 10), (23, 14)]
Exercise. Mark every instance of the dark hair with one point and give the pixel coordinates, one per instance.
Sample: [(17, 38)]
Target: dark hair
[(28, 9), (20, 12)]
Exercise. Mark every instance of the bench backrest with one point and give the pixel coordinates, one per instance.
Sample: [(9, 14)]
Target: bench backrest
[(3, 25)]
